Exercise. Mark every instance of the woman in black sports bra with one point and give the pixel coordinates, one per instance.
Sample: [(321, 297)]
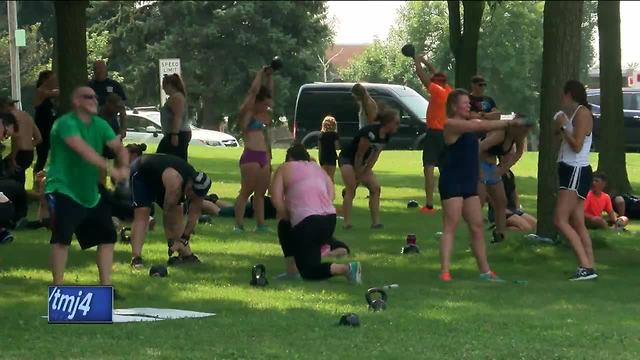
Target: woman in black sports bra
[(499, 151)]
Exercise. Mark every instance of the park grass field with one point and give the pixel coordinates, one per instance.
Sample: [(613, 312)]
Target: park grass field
[(548, 318)]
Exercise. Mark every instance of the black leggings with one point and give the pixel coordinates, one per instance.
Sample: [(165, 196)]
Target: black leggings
[(181, 151), (18, 196), (303, 242), (24, 158), (42, 150)]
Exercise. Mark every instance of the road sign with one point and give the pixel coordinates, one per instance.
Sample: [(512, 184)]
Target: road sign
[(168, 67)]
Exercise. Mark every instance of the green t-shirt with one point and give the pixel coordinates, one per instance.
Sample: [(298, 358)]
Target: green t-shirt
[(69, 173)]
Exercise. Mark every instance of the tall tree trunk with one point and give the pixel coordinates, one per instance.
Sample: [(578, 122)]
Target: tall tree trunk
[(71, 47), (560, 62), (463, 39), (612, 158)]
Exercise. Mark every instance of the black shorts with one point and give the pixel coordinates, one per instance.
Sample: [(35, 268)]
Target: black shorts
[(574, 178), (92, 226), (452, 185), (433, 147), (24, 158), (328, 160), (142, 195), (342, 161)]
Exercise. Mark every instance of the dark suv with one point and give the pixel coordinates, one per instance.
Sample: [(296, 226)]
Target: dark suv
[(317, 100), (631, 108)]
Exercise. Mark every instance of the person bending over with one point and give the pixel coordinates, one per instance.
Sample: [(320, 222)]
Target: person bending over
[(168, 181), (303, 195), (212, 205), (75, 204), (255, 162), (597, 202), (627, 205), (517, 219), (437, 89), (358, 159), (458, 183)]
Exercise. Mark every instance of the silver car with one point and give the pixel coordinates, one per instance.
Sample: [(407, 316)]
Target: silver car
[(143, 126)]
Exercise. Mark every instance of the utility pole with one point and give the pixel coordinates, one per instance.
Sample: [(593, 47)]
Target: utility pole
[(14, 55)]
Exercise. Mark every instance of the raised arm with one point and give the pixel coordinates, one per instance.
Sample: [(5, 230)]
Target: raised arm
[(250, 99), (422, 74)]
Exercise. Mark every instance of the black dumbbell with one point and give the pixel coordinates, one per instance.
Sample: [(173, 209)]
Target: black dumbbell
[(412, 204), (349, 319), (158, 271), (276, 63), (410, 247), (408, 50), (259, 276), (125, 235), (377, 299), (205, 219)]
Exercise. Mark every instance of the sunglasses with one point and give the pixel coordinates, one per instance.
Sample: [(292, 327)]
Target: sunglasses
[(482, 84), (88, 97)]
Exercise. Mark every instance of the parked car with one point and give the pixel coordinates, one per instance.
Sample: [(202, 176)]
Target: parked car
[(143, 126), (631, 109), (317, 100)]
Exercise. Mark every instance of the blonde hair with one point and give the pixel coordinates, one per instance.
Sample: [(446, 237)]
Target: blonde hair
[(329, 124)]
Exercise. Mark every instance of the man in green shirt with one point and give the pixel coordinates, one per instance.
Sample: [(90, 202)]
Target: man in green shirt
[(75, 203)]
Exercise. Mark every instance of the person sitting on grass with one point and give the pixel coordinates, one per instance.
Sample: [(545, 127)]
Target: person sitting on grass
[(517, 219), (212, 205), (303, 196), (168, 181), (598, 202), (627, 205)]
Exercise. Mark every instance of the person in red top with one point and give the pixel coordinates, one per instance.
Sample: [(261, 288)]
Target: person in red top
[(436, 84), (598, 202)]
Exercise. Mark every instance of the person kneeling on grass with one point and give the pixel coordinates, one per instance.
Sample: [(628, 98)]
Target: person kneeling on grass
[(598, 202), (168, 181), (303, 194)]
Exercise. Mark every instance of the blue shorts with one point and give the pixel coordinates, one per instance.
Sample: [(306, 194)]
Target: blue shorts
[(489, 173), (142, 195)]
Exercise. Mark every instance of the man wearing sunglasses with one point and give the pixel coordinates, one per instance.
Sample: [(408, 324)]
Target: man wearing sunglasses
[(482, 106), (72, 193)]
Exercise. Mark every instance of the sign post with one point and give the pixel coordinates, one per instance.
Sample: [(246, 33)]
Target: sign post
[(168, 67), (14, 55)]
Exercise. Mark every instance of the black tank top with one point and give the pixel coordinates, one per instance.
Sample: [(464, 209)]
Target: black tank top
[(45, 115), (499, 150), (461, 160), (152, 166)]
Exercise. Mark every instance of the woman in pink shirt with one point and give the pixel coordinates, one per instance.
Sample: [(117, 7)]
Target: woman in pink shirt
[(303, 194)]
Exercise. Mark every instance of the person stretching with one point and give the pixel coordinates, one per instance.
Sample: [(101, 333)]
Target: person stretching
[(168, 181), (303, 194), (458, 183), (255, 162), (357, 160), (597, 202)]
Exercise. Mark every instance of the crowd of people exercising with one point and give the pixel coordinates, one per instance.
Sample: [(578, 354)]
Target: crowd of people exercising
[(467, 139)]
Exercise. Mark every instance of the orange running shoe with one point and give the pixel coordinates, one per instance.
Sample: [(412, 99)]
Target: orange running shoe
[(427, 210), (445, 276)]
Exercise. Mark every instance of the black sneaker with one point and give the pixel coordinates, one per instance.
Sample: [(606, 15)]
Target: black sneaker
[(137, 263), (584, 274), (5, 237), (497, 237)]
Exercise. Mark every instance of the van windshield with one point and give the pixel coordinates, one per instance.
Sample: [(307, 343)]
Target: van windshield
[(417, 104)]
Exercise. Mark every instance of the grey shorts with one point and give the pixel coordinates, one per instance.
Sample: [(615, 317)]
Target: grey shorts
[(433, 147)]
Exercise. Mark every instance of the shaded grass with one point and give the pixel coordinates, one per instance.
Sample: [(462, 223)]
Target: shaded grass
[(549, 318)]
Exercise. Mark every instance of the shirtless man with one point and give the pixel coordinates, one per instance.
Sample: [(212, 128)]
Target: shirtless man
[(23, 140)]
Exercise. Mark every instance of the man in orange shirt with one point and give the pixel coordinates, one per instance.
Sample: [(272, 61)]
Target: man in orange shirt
[(438, 89), (598, 202)]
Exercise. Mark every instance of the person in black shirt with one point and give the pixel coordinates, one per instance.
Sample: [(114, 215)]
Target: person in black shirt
[(44, 116), (482, 106), (327, 146), (357, 160), (168, 181), (103, 87)]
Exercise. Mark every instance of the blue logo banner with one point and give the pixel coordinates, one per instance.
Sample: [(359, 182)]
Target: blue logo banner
[(80, 304)]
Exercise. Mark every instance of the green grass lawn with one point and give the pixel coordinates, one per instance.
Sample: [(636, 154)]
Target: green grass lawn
[(549, 318)]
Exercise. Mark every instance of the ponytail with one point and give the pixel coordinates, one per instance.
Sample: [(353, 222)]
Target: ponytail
[(578, 92)]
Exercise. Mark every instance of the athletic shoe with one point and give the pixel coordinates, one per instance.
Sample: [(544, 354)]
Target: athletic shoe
[(428, 210), (497, 237), (584, 274), (238, 229), (377, 226), (355, 272), (5, 237), (324, 249), (490, 276), (137, 263), (190, 259), (288, 277), (445, 276), (263, 229)]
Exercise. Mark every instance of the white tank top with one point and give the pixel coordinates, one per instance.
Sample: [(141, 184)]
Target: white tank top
[(570, 157), (363, 120)]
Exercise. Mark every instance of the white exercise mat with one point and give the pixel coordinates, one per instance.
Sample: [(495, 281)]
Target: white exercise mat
[(153, 314)]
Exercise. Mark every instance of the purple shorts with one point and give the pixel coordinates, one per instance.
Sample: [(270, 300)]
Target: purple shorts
[(253, 156)]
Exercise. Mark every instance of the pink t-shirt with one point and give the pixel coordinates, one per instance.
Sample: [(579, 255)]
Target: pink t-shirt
[(307, 191)]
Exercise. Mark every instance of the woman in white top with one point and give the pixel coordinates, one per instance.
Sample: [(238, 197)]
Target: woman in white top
[(575, 125), (368, 109)]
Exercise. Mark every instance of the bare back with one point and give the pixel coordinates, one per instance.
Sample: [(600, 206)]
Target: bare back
[(28, 134)]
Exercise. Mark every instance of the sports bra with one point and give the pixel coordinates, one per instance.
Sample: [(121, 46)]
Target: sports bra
[(499, 150), (255, 125)]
